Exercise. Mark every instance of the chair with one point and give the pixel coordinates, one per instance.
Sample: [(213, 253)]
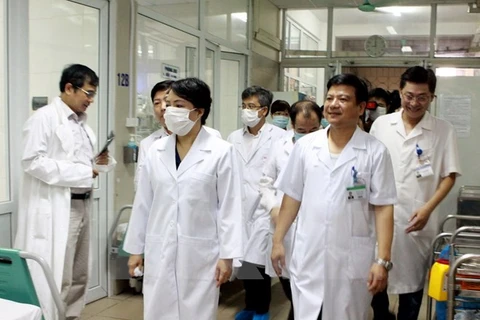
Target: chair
[(16, 283)]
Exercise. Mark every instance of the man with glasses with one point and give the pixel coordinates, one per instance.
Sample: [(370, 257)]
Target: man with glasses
[(426, 163), (253, 143), (58, 163)]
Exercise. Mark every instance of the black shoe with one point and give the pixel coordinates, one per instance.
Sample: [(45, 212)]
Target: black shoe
[(390, 316)]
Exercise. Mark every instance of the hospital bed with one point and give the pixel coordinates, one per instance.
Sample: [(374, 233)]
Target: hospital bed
[(16, 285)]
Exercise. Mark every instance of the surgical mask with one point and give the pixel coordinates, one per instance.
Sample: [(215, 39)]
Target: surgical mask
[(280, 121), (297, 136), (324, 122), (250, 117), (177, 120), (374, 114)]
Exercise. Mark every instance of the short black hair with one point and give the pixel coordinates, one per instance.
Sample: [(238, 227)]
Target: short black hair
[(395, 101), (380, 93), (348, 79), (280, 106), (264, 96), (161, 86), (195, 91), (306, 107), (77, 75), (419, 75)]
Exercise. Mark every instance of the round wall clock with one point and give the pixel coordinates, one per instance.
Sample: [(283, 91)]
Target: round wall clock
[(375, 46)]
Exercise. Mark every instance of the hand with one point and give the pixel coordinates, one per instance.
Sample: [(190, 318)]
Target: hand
[(418, 219), (102, 158), (94, 173), (377, 279), (223, 271), (278, 258), (274, 215), (135, 260)]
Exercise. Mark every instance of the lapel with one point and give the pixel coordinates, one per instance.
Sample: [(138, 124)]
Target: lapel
[(265, 136), (239, 146), (425, 123), (320, 144), (197, 152), (63, 131), (166, 154), (348, 153)]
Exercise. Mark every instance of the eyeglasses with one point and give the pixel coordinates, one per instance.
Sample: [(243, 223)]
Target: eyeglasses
[(422, 99), (89, 94), (250, 106)]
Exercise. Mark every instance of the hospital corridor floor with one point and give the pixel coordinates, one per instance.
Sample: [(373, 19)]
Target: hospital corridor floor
[(129, 306)]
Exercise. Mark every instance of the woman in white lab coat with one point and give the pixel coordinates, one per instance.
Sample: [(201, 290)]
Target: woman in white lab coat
[(305, 117), (187, 213)]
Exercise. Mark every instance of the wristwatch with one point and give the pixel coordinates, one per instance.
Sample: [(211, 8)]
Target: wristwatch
[(386, 264)]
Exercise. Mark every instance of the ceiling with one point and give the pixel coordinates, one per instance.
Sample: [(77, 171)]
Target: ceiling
[(311, 4)]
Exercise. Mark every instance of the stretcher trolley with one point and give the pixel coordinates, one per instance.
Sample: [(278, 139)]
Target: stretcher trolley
[(446, 247), (118, 257)]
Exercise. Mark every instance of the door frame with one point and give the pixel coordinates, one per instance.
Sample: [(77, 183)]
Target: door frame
[(242, 81)]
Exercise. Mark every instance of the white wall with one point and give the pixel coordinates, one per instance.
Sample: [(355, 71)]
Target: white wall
[(308, 21)]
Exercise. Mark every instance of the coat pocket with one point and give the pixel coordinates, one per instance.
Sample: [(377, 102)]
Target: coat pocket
[(197, 258), (154, 256), (43, 220), (360, 259)]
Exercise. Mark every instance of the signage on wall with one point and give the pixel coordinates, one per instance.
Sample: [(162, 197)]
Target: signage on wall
[(170, 72), (123, 80), (38, 102)]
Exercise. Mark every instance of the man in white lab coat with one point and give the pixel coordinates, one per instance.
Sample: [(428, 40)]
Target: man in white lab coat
[(425, 157), (158, 95), (54, 212), (253, 144), (187, 213), (333, 267), (305, 117)]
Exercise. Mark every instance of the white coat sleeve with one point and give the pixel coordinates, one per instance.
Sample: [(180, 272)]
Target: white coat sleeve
[(142, 153), (382, 180), (229, 210), (267, 192), (37, 138), (450, 158), (292, 179), (137, 226)]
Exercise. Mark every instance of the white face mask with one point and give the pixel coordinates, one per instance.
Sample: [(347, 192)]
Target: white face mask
[(374, 114), (177, 120), (250, 117)]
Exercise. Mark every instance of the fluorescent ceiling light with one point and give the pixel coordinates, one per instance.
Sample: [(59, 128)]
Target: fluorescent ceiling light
[(391, 30), (240, 16), (406, 49), (397, 11)]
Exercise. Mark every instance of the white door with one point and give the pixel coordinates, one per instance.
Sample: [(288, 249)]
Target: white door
[(63, 32), (233, 82)]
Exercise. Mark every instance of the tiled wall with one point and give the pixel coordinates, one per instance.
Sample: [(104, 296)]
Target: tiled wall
[(386, 78)]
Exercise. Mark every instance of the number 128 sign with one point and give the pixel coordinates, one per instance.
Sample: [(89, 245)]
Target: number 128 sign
[(122, 80)]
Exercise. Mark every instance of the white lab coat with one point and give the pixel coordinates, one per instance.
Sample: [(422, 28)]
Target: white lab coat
[(146, 143), (335, 239), (44, 205), (184, 220), (271, 197), (256, 219), (438, 141)]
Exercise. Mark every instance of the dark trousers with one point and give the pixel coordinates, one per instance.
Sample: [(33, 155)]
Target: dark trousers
[(320, 315), (288, 293), (408, 305), (258, 292)]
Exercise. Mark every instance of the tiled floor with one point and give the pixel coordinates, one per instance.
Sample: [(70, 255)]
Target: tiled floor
[(128, 306)]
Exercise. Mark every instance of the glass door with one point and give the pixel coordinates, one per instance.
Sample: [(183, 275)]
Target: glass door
[(212, 63)]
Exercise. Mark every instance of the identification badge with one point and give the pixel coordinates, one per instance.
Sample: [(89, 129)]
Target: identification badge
[(356, 192), (424, 170)]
